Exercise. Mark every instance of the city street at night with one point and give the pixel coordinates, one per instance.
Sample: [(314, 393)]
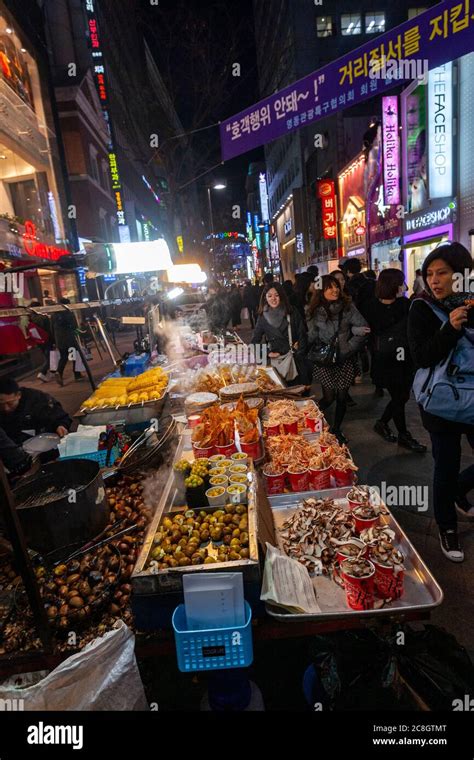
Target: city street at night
[(236, 369)]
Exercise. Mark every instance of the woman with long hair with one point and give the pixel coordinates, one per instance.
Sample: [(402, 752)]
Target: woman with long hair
[(282, 327), (392, 365), (331, 313), (441, 328)]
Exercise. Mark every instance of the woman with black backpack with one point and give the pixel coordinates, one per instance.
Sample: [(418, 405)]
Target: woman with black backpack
[(392, 365)]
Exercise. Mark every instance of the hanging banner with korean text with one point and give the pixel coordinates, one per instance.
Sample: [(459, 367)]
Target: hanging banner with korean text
[(440, 34)]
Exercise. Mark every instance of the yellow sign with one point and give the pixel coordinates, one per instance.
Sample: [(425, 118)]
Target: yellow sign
[(180, 243)]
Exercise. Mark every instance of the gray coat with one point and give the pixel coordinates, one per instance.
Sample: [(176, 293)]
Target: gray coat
[(321, 329)]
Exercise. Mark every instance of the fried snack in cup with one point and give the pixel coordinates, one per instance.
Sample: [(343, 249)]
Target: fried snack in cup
[(299, 479), (365, 516), (275, 480), (352, 548), (319, 479), (358, 576), (389, 570)]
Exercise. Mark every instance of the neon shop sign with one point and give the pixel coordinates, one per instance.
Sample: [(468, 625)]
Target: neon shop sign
[(37, 249)]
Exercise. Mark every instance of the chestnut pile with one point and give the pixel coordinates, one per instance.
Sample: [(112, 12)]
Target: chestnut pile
[(191, 537), (93, 589)]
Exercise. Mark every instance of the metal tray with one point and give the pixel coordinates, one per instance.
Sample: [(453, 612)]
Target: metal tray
[(422, 592), (172, 497), (132, 414)]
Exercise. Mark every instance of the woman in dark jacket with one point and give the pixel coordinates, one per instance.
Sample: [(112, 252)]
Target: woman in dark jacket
[(235, 305), (273, 324), (331, 312), (431, 342), (218, 309), (392, 365), (64, 328)]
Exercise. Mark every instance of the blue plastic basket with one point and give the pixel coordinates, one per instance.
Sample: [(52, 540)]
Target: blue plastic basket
[(214, 649), (97, 456)]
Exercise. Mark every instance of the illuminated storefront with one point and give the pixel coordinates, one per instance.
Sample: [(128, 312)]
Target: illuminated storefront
[(31, 226), (429, 177), (352, 208)]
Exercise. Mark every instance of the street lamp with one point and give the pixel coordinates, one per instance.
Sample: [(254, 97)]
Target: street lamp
[(215, 186)]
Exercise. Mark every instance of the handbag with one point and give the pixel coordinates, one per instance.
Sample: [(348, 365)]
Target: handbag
[(285, 365), (327, 354)]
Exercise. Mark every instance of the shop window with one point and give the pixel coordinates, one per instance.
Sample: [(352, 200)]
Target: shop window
[(104, 175), (413, 12), (94, 165), (324, 27), (374, 23), (351, 23), (26, 201)]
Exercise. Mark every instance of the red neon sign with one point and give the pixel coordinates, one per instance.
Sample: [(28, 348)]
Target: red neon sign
[(37, 249)]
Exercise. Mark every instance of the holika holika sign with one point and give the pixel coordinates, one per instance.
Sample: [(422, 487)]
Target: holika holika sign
[(435, 37)]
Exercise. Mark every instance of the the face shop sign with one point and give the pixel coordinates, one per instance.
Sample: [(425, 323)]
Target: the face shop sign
[(431, 218)]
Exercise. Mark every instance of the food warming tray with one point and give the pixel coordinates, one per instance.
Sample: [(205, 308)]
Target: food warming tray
[(422, 592)]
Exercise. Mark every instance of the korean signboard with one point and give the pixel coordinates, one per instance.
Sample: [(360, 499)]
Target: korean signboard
[(391, 150), (439, 35), (327, 195), (440, 131)]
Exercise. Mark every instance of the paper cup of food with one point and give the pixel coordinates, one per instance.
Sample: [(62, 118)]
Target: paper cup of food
[(314, 423), (291, 428), (341, 478), (251, 450), (216, 458), (216, 496), (217, 471), (319, 479), (219, 480), (242, 480), (238, 469), (275, 480), (299, 479), (358, 577), (227, 449), (194, 420), (203, 453), (271, 429), (389, 571), (240, 457), (237, 494), (365, 517), (358, 496), (351, 549)]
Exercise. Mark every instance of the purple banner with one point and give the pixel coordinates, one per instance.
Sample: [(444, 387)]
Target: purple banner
[(438, 35)]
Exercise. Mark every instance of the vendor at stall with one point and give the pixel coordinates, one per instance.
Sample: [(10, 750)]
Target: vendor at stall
[(25, 412), (13, 457)]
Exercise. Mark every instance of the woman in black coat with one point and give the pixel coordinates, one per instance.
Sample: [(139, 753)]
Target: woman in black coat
[(65, 328), (431, 342), (272, 324), (392, 365)]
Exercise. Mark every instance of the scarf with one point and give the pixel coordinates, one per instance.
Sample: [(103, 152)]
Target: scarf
[(454, 301), (274, 316)]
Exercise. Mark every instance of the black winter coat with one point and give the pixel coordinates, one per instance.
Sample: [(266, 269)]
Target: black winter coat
[(36, 411), (361, 290), (64, 329), (431, 342), (277, 337), (383, 318)]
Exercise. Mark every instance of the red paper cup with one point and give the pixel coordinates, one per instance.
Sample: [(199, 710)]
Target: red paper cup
[(355, 504), (194, 420), (299, 481), (275, 483), (323, 448), (272, 429), (290, 428), (359, 591), (342, 478), (320, 480), (203, 453), (314, 423), (252, 450), (361, 525), (227, 450), (388, 584), (340, 557)]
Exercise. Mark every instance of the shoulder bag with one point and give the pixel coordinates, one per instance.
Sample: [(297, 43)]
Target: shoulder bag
[(285, 365), (326, 354)]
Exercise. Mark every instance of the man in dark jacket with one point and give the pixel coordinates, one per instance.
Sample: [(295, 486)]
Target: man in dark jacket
[(361, 288), (250, 301), (218, 309), (64, 328), (26, 409), (13, 457)]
